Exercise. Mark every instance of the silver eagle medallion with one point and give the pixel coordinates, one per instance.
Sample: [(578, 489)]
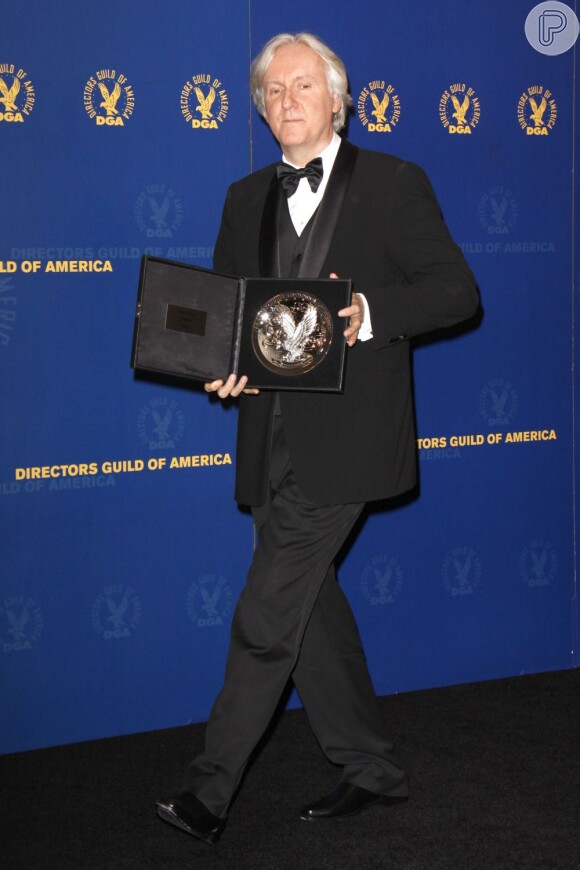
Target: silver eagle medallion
[(292, 333)]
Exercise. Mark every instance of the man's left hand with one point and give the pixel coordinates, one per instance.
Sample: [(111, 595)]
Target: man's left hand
[(355, 312)]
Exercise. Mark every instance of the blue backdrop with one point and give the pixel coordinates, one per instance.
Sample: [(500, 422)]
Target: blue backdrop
[(123, 551)]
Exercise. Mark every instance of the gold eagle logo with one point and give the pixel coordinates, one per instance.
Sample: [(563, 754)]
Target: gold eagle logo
[(460, 109), (110, 99), (538, 111), (380, 108), (9, 94), (205, 103)]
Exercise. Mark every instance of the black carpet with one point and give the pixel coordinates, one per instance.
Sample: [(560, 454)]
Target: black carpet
[(495, 777)]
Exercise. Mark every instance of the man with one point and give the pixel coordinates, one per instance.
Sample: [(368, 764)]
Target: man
[(307, 463)]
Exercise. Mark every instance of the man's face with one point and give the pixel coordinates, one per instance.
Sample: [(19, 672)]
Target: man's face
[(299, 107)]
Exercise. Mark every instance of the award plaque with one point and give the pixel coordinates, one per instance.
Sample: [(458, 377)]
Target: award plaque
[(284, 334)]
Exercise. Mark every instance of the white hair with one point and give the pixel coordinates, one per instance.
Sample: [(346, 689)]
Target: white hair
[(336, 78)]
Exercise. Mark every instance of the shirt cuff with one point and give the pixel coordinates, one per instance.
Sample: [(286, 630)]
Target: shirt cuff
[(366, 330)]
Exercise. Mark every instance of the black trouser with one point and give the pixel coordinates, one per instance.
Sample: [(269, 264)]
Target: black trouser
[(292, 619)]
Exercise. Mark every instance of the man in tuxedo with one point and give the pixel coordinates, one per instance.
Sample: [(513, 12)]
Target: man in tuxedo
[(308, 462)]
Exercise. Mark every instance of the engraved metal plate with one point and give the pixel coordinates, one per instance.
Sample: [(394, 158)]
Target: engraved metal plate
[(292, 333), (181, 319)]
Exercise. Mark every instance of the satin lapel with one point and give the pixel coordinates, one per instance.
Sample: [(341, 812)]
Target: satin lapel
[(269, 246), (328, 213)]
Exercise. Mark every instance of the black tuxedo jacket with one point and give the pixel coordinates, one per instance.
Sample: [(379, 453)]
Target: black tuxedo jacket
[(378, 223)]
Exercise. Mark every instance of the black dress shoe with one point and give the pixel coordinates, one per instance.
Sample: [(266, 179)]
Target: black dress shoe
[(188, 813), (347, 800)]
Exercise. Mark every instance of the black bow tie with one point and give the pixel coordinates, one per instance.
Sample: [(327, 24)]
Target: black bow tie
[(290, 177)]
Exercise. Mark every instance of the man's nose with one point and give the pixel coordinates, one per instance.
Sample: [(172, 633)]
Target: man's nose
[(288, 99)]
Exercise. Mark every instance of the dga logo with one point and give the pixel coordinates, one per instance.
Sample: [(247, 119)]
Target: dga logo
[(498, 211), (537, 111), (158, 211), (379, 101), (459, 109), (161, 424), (116, 612), (204, 102), (538, 563), (21, 623), (16, 94), (498, 402), (382, 580), (461, 571), (108, 98), (552, 27), (209, 601)]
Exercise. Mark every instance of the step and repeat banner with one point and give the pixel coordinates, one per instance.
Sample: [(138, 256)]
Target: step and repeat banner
[(121, 127)]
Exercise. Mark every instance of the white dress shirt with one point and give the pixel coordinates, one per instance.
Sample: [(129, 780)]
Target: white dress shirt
[(304, 202)]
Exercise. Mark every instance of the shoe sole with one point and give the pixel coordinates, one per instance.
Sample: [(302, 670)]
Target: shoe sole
[(168, 815)]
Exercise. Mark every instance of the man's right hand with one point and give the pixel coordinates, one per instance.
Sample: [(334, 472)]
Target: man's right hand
[(232, 387)]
